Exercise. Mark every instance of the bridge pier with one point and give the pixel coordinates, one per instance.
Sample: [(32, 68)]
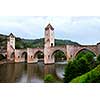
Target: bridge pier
[(48, 59), (31, 55)]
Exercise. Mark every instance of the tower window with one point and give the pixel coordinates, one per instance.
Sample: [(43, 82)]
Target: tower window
[(51, 44), (18, 56), (48, 56)]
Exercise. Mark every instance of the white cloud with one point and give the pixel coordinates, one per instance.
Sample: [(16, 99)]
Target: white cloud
[(83, 29)]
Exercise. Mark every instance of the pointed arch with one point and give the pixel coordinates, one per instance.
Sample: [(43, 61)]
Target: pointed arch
[(85, 49), (59, 55), (39, 55)]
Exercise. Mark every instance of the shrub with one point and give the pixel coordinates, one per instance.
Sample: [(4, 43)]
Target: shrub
[(81, 54), (89, 77), (83, 65), (98, 60), (49, 78), (98, 57), (71, 71), (89, 57)]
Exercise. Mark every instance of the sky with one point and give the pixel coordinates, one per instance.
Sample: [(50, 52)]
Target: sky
[(81, 29)]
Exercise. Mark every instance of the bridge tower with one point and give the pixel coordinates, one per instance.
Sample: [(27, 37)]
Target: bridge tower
[(10, 47), (49, 43)]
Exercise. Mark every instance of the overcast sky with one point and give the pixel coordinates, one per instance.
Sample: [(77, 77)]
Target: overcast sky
[(81, 29)]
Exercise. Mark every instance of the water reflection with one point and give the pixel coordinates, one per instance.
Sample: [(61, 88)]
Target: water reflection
[(29, 73)]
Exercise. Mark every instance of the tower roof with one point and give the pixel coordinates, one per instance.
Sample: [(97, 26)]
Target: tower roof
[(11, 35), (49, 26)]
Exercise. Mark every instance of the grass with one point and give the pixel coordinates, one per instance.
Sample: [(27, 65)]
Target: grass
[(89, 77)]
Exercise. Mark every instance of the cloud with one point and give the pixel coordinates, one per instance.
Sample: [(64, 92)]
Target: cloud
[(83, 29)]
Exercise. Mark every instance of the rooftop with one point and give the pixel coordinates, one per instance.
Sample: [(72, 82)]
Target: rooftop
[(49, 26)]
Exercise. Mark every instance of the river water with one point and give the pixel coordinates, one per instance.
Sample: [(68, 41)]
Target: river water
[(30, 73)]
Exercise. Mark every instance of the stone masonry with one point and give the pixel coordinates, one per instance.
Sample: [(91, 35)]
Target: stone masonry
[(30, 54)]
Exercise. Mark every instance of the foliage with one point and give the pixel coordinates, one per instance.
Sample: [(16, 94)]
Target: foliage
[(30, 43), (98, 59), (79, 55), (83, 63), (49, 78), (89, 77), (71, 70), (59, 55), (90, 57)]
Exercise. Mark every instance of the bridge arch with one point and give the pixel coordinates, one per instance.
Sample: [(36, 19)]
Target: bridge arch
[(58, 53), (84, 49), (24, 56), (39, 55)]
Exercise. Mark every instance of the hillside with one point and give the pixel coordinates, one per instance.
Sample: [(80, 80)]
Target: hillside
[(26, 43)]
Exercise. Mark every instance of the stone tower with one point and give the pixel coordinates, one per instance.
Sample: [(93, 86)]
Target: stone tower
[(10, 47), (49, 43)]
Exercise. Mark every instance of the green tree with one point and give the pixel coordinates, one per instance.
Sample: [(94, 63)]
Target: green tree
[(83, 63), (79, 55), (89, 77), (89, 57), (49, 78), (71, 71), (98, 57)]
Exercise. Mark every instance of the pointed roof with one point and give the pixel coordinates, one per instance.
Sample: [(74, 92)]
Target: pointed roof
[(11, 35), (49, 26)]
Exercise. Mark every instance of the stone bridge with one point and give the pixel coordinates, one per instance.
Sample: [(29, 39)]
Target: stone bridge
[(20, 55), (73, 50), (30, 54)]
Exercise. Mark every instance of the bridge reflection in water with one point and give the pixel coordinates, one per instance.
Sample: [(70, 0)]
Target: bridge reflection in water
[(29, 73)]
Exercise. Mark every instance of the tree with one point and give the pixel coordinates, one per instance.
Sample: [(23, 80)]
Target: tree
[(98, 57), (83, 63), (49, 78), (71, 71), (89, 77), (79, 55), (89, 57)]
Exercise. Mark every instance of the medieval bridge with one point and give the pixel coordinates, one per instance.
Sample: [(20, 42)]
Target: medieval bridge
[(30, 54)]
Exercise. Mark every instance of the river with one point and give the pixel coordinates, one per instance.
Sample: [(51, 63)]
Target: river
[(30, 73)]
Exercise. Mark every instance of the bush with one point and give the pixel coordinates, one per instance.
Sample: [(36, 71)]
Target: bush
[(81, 54), (49, 78), (71, 70), (90, 57), (89, 77), (83, 63), (98, 57)]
